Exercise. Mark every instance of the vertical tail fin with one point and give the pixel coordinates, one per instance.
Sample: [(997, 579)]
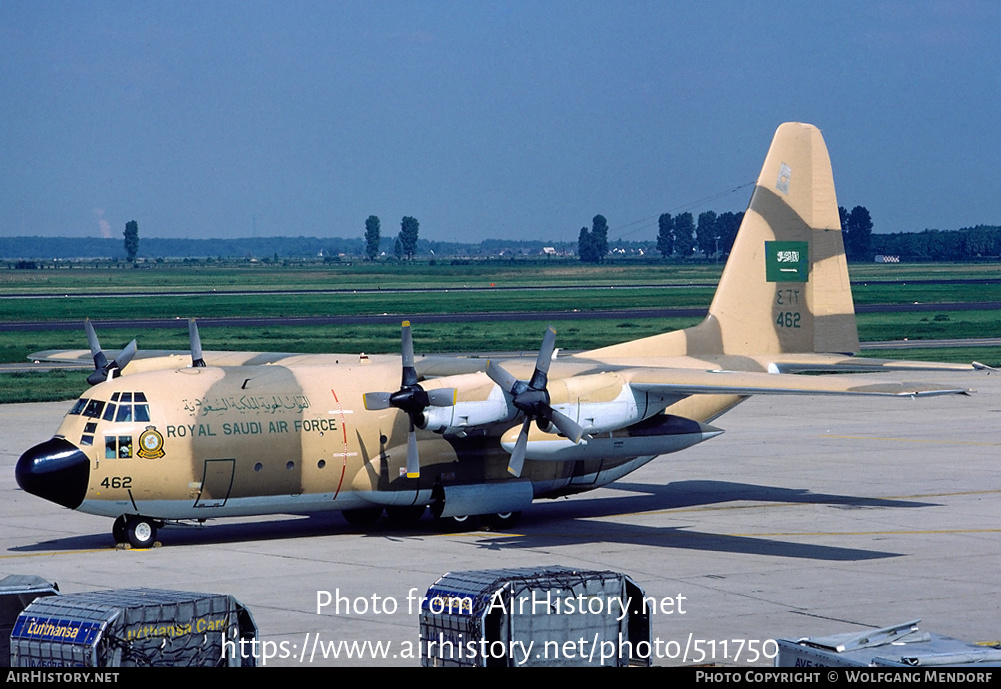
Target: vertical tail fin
[(785, 286)]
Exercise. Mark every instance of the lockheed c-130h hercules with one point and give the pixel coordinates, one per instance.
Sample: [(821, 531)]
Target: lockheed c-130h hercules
[(166, 438)]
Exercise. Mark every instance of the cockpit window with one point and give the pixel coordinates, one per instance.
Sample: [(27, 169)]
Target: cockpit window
[(88, 433), (118, 447), (124, 407), (94, 409)]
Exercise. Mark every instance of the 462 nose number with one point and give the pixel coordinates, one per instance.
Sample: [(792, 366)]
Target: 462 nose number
[(117, 482)]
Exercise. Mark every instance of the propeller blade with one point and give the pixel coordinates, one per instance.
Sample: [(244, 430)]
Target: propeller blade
[(517, 461), (100, 360), (568, 427), (504, 380), (196, 345), (413, 459), (375, 401), (541, 375), (125, 356), (442, 397), (409, 372)]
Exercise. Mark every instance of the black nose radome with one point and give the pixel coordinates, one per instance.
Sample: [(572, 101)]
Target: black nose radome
[(55, 470)]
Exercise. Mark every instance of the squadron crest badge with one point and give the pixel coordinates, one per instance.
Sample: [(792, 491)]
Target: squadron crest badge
[(151, 444)]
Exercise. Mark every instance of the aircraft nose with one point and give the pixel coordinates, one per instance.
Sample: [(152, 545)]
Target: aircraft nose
[(56, 470)]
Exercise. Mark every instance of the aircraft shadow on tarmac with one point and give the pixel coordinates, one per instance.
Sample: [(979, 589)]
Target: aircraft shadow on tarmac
[(555, 523), (573, 526), (704, 493), (582, 532)]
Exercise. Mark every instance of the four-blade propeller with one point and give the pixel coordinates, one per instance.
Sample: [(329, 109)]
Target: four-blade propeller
[(412, 399), (532, 399), (104, 369)]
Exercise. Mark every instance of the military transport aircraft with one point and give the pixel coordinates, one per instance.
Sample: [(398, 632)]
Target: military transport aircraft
[(167, 438)]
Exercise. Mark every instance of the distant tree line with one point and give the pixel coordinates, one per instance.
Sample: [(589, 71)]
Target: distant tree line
[(712, 237), (679, 236), (965, 244)]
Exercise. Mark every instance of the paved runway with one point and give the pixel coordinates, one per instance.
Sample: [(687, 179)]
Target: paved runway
[(809, 516)]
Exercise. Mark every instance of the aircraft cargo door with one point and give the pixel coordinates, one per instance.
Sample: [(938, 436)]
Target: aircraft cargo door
[(217, 481)]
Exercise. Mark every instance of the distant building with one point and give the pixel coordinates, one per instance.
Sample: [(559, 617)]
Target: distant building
[(880, 258)]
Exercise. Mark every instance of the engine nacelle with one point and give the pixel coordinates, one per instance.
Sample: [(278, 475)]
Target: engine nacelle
[(628, 407), (463, 416), (657, 436)]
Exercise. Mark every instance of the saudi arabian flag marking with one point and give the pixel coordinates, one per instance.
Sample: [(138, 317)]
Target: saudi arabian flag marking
[(787, 261)]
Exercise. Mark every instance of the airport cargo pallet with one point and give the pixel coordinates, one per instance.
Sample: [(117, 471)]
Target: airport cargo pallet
[(132, 628), (533, 617), (901, 645)]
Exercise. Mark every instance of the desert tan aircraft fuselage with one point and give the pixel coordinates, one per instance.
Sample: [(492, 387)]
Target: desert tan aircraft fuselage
[(195, 443), (193, 437)]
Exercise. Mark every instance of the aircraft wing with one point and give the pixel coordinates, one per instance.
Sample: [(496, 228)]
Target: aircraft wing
[(182, 357), (85, 357), (723, 382), (840, 363)]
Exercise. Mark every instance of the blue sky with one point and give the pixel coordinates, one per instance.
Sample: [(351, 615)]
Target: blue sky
[(483, 119)]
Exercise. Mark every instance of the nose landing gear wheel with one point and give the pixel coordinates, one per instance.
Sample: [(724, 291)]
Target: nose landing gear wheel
[(139, 532)]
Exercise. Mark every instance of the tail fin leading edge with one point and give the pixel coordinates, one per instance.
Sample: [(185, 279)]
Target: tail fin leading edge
[(785, 287)]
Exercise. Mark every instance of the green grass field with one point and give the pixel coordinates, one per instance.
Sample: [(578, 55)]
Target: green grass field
[(545, 286)]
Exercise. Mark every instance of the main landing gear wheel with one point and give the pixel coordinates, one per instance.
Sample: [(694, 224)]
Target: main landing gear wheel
[(458, 523), (139, 532), (406, 514), (362, 518), (502, 520)]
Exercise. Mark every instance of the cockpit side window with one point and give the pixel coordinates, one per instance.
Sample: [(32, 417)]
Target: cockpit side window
[(88, 433), (79, 406), (94, 409), (118, 447)]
